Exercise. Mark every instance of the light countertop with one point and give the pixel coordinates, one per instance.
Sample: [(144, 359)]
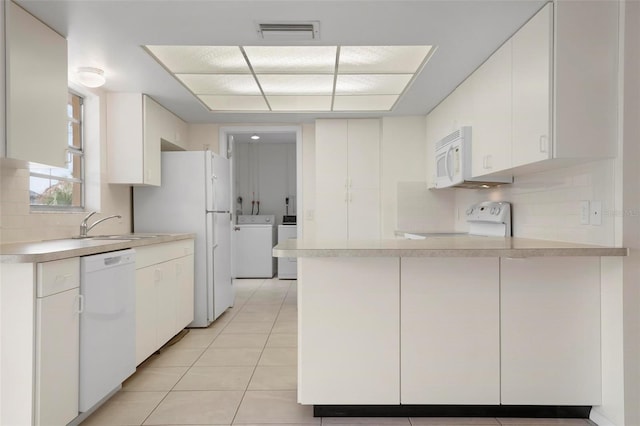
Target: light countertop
[(445, 246), (45, 251)]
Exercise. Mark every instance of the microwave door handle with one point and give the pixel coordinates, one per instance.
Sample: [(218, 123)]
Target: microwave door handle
[(446, 164)]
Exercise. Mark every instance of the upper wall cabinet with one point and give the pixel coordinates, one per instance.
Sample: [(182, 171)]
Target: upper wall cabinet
[(36, 89), (137, 129), (348, 179), (546, 98), (565, 62)]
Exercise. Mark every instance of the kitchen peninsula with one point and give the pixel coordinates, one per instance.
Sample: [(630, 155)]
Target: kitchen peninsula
[(460, 325)]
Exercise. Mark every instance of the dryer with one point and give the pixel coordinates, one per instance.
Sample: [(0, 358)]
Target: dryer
[(254, 238)]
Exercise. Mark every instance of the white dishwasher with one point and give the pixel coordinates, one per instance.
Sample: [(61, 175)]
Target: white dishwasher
[(107, 324)]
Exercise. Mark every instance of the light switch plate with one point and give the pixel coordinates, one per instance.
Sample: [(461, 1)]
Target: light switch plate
[(596, 212), (585, 212)]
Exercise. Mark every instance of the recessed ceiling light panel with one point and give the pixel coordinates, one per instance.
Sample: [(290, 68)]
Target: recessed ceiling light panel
[(220, 84), (300, 103), (294, 78), (371, 84), (296, 84), (292, 59), (382, 59), (234, 103), (201, 59)]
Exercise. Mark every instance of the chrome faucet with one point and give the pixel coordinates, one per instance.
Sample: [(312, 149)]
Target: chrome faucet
[(84, 228)]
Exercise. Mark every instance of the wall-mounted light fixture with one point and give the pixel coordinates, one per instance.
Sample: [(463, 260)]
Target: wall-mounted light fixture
[(90, 77), (255, 137)]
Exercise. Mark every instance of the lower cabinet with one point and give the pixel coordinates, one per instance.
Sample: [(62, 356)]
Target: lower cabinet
[(450, 331), (349, 345), (550, 331), (57, 354), (164, 294)]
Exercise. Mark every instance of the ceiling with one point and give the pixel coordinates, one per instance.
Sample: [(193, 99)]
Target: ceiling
[(109, 34)]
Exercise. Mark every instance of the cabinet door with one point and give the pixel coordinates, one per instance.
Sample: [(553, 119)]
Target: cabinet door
[(146, 312), (185, 289), (531, 74), (331, 179), (37, 91), (57, 358), (124, 138), (450, 336), (167, 288), (491, 99), (349, 352), (154, 123), (550, 331), (364, 214), (332, 214), (363, 154)]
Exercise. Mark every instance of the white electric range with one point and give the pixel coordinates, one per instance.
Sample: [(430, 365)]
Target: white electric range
[(485, 219)]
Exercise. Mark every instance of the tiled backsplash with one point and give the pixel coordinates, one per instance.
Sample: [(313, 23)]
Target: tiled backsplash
[(546, 205), (18, 223)]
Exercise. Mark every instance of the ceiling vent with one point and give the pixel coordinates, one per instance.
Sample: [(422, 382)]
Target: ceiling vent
[(307, 30)]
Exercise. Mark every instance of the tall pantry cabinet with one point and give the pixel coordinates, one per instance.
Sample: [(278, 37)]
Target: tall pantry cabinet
[(348, 179)]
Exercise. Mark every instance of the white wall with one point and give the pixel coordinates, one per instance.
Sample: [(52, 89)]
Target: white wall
[(407, 204), (265, 172), (546, 205), (203, 136)]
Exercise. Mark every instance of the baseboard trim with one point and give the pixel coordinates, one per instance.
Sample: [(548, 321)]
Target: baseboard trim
[(531, 411), (600, 419)]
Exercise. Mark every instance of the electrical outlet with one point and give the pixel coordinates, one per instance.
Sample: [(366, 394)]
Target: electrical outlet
[(596, 212), (585, 212), (309, 215)]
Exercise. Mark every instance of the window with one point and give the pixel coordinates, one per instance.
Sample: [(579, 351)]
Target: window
[(54, 188)]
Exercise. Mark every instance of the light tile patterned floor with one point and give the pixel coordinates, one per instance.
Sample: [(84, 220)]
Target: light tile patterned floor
[(242, 370)]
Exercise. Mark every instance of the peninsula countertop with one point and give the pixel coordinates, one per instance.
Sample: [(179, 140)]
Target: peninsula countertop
[(445, 246), (45, 251)]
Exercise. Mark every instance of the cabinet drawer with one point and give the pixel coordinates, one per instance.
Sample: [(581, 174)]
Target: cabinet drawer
[(57, 276), (158, 253)]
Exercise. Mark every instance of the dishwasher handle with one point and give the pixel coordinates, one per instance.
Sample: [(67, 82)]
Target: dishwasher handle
[(115, 260)]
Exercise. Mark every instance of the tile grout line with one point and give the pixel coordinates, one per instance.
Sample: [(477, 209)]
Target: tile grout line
[(260, 357), (193, 363)]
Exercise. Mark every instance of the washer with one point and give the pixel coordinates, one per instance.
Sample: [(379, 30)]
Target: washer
[(287, 266), (254, 238)]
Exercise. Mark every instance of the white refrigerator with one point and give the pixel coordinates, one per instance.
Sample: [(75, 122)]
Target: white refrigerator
[(194, 198)]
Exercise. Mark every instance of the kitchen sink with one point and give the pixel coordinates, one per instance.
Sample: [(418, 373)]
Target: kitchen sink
[(125, 237)]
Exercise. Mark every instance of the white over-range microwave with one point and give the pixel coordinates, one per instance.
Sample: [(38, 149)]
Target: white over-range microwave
[(453, 163)]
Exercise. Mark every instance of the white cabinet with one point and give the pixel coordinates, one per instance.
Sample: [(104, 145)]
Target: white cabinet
[(348, 179), (137, 129), (565, 62), (349, 331), (164, 294), (490, 95), (550, 331), (547, 98), (57, 342), (531, 73), (450, 331), (40, 336), (36, 89)]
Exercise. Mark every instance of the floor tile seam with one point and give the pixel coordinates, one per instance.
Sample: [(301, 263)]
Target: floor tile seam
[(214, 339), (155, 408), (255, 367)]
